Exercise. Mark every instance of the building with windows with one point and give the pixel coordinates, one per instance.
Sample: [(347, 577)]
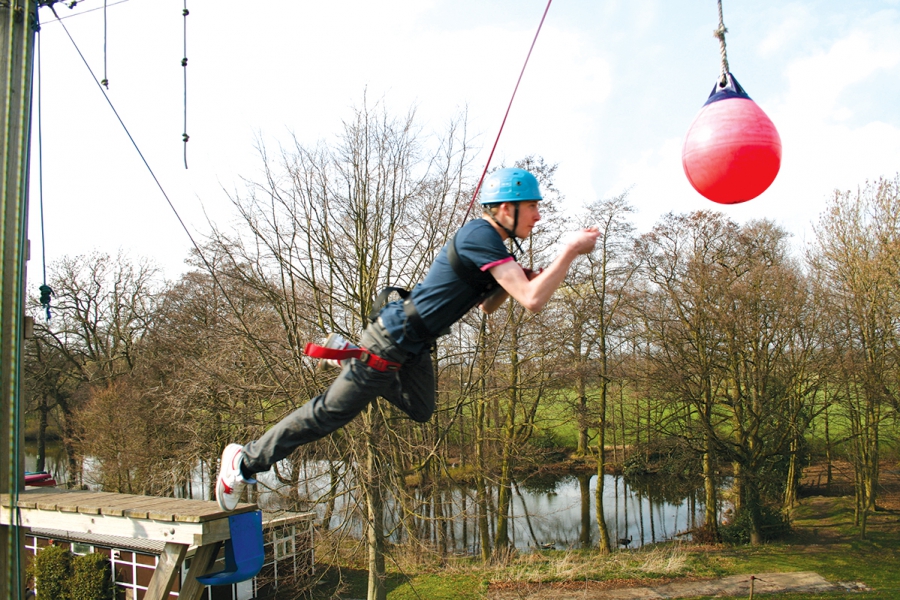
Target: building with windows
[(289, 558)]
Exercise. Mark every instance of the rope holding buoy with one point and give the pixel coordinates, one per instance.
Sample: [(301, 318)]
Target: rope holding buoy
[(719, 33)]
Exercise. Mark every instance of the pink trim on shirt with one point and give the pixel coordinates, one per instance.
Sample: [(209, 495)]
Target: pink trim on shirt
[(489, 266)]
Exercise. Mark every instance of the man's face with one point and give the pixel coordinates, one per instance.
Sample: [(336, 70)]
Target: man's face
[(529, 215)]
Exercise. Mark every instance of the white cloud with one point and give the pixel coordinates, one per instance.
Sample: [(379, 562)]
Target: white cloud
[(817, 82), (794, 20)]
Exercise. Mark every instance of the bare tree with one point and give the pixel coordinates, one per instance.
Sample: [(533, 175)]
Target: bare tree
[(611, 268), (683, 257), (326, 230), (103, 308), (855, 262), (729, 326)]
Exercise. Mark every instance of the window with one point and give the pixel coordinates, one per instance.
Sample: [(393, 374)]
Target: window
[(81, 548)]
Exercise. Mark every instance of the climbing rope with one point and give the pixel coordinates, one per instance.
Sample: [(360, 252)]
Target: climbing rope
[(184, 62), (491, 155), (720, 34), (46, 291), (105, 81)]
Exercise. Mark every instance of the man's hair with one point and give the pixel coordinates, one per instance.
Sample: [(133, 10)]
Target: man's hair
[(490, 209)]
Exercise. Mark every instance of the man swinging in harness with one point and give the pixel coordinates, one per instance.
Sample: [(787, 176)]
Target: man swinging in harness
[(393, 359)]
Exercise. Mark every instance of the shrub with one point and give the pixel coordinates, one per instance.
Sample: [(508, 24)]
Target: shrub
[(773, 525), (52, 569), (91, 578), (544, 439)]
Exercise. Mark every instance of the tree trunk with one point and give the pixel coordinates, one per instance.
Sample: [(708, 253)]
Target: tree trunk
[(791, 491), (375, 506), (603, 544), (581, 389), (504, 500), (753, 505), (711, 498), (481, 499)]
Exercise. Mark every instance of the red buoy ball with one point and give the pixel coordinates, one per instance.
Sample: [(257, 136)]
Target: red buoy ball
[(732, 151)]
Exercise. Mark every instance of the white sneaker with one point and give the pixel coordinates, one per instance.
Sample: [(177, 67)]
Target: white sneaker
[(231, 482), (336, 342)]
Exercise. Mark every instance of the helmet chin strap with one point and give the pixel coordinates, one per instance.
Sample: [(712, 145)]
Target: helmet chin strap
[(511, 233)]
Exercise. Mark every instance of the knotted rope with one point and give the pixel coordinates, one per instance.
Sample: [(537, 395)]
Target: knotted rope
[(720, 34)]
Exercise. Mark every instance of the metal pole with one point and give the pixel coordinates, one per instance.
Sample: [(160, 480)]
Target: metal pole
[(18, 23)]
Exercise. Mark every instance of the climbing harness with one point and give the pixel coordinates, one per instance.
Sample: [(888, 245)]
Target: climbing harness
[(413, 318), (476, 278), (372, 360)]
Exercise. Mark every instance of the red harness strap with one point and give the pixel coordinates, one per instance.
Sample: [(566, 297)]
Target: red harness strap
[(369, 359)]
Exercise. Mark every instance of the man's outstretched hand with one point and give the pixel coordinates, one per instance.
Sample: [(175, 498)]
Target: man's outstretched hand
[(583, 241)]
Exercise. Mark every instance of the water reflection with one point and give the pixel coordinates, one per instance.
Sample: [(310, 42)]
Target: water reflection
[(54, 461), (558, 512)]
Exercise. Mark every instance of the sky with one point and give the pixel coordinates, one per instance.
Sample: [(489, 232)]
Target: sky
[(609, 93)]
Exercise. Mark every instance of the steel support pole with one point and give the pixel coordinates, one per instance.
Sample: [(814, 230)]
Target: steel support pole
[(18, 24)]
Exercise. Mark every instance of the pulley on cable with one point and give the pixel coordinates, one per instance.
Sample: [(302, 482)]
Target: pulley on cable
[(732, 151)]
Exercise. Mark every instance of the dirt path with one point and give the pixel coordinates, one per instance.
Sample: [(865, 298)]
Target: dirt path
[(736, 585)]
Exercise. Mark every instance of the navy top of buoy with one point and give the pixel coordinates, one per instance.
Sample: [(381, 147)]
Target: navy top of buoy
[(731, 89)]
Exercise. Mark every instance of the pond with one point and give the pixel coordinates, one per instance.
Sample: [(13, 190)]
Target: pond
[(557, 511)]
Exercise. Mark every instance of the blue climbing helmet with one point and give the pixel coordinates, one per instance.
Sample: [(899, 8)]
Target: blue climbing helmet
[(510, 185)]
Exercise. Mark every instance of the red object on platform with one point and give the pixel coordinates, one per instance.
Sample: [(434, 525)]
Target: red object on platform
[(41, 479), (732, 151)]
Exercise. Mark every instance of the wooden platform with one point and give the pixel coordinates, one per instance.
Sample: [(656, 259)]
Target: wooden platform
[(179, 523)]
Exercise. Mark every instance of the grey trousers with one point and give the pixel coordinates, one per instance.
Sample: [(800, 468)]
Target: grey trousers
[(411, 389)]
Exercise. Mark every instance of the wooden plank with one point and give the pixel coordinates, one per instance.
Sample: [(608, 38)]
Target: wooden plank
[(116, 504), (183, 533), (166, 508), (72, 500), (30, 499), (203, 559), (25, 495), (202, 511), (166, 571), (84, 502), (197, 522), (110, 503)]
